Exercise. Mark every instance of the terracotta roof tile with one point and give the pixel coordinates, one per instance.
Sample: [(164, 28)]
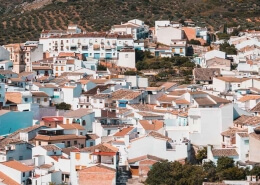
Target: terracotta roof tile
[(224, 152), (78, 113), (205, 74), (103, 147), (247, 120), (158, 135), (233, 79), (168, 85), (123, 132), (50, 147), (7, 180), (249, 97), (144, 157), (154, 125), (18, 166), (13, 97), (58, 137), (71, 126), (231, 132), (256, 108), (39, 94)]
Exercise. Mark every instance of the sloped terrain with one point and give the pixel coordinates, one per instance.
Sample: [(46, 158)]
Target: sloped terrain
[(19, 25)]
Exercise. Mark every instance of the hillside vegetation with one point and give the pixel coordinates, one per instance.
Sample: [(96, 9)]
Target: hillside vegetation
[(19, 25)]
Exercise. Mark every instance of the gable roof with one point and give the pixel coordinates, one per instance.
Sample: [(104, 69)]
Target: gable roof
[(123, 132), (71, 126), (249, 97), (97, 168), (151, 124), (78, 113), (247, 120), (144, 157), (158, 135), (17, 166), (50, 147), (256, 108), (13, 97), (103, 147), (224, 152), (205, 74), (7, 180), (39, 94), (232, 79)]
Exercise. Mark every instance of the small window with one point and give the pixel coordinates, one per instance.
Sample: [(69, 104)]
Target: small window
[(45, 99), (75, 142), (20, 157), (40, 142), (23, 174), (57, 69), (25, 99), (238, 85), (61, 68), (91, 143), (126, 55)]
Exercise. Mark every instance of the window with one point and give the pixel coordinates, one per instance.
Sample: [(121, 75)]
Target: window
[(40, 142), (91, 143), (173, 50), (57, 69), (75, 142), (83, 122), (10, 158), (23, 174), (25, 99), (68, 143), (38, 100), (30, 173), (45, 99), (20, 157), (61, 68), (238, 85), (181, 50), (246, 142), (81, 133), (70, 68), (126, 55), (108, 132)]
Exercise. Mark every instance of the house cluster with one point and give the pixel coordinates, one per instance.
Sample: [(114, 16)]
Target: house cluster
[(64, 121)]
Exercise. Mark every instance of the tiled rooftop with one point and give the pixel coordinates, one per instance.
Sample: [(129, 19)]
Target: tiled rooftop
[(227, 152)]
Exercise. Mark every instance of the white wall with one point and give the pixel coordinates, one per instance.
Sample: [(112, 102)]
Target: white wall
[(206, 124), (156, 147)]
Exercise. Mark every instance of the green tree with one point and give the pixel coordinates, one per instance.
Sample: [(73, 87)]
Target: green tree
[(63, 106), (224, 163), (202, 154), (174, 173), (229, 49)]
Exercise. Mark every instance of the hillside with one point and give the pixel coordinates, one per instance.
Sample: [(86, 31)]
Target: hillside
[(19, 25)]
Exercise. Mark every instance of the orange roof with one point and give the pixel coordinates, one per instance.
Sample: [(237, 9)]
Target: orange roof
[(181, 101), (72, 126), (64, 54), (7, 180), (14, 97), (249, 97), (17, 166), (124, 131), (189, 32), (58, 137), (151, 125)]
